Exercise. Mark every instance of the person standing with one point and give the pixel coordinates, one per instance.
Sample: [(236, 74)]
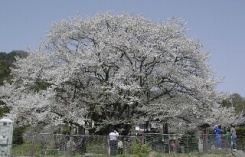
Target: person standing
[(113, 136), (71, 146), (82, 145), (228, 138), (120, 146), (217, 130), (233, 137)]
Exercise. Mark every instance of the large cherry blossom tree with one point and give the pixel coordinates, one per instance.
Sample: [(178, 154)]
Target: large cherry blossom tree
[(113, 70)]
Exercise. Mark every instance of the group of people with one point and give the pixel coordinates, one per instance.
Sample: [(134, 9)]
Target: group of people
[(116, 145), (231, 137)]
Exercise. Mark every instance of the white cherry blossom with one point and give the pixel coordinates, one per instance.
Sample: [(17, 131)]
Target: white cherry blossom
[(115, 69)]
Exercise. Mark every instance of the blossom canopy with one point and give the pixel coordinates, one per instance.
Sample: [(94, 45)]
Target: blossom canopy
[(114, 69)]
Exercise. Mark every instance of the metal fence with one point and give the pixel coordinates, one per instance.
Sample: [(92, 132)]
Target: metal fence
[(78, 145)]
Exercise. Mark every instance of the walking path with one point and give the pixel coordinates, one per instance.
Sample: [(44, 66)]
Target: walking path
[(238, 153)]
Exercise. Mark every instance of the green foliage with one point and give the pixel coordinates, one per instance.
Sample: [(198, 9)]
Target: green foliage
[(23, 149), (17, 135), (4, 71), (39, 85), (141, 150), (3, 109), (236, 101), (10, 57), (241, 131), (65, 129), (53, 152), (122, 155), (6, 62), (26, 149)]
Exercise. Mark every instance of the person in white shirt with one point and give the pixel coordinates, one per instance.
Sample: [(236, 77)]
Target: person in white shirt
[(113, 136), (120, 146)]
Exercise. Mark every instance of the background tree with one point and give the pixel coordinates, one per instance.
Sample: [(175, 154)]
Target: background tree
[(4, 71), (11, 57), (6, 62), (114, 70), (236, 101)]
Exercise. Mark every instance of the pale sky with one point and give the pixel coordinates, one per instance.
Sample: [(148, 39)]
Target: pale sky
[(218, 24)]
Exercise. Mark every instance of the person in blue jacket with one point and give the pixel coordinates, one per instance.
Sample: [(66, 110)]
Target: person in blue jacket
[(218, 130)]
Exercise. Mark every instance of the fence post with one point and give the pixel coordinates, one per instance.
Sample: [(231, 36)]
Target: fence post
[(169, 147), (69, 145), (143, 138), (176, 143), (33, 145)]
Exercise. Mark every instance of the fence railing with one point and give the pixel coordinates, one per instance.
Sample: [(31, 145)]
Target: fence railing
[(45, 144)]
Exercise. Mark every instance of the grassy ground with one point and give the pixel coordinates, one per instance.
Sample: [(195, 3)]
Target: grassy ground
[(195, 154)]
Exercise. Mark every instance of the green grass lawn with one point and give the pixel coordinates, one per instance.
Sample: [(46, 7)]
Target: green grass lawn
[(193, 154)]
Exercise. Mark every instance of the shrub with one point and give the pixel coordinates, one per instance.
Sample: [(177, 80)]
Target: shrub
[(141, 150), (17, 135)]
